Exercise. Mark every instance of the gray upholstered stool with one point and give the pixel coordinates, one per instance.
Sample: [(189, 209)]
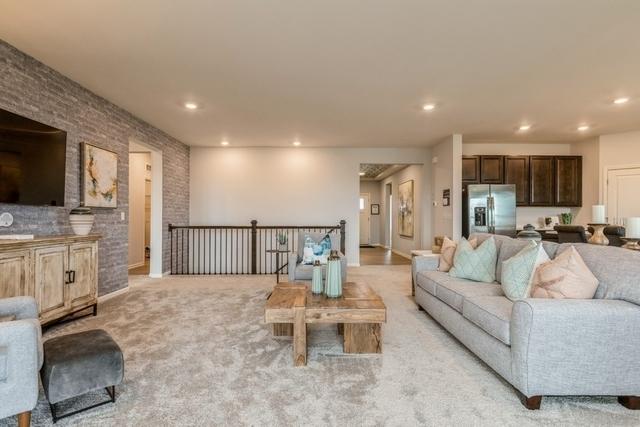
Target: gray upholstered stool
[(79, 363)]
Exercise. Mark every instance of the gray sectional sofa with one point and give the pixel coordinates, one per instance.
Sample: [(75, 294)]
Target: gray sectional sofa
[(546, 346)]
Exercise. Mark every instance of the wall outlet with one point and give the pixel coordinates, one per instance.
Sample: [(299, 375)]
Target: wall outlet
[(6, 219), (121, 216)]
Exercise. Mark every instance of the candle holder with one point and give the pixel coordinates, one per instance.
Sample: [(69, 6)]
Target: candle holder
[(598, 237), (631, 243)]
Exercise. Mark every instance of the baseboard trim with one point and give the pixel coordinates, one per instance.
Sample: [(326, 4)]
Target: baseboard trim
[(353, 264), (136, 265), (107, 297), (402, 254)]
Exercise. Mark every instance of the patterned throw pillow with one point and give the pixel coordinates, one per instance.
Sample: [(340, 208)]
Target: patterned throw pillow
[(449, 250), (479, 264), (518, 271), (316, 250), (567, 276)]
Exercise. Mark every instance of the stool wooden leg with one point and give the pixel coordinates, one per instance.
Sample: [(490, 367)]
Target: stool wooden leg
[(24, 419), (299, 337), (362, 338)]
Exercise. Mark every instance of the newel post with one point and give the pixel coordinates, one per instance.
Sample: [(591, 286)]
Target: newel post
[(254, 247), (343, 235)]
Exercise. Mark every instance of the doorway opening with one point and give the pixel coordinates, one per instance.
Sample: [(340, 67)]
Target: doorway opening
[(145, 210), (376, 212)]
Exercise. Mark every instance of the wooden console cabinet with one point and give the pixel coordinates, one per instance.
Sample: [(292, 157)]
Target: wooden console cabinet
[(60, 272)]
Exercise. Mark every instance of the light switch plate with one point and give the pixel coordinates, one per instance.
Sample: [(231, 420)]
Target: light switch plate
[(121, 216), (6, 219)]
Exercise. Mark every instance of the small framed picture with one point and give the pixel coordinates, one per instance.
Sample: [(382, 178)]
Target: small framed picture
[(375, 209)]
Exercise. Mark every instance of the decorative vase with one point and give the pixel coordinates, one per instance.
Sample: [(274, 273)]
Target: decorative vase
[(598, 237), (316, 279), (529, 233), (81, 220), (334, 276)]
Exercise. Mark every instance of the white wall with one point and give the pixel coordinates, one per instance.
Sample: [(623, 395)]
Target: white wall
[(137, 174), (589, 150), (288, 186), (401, 244), (374, 190), (524, 214), (447, 174)]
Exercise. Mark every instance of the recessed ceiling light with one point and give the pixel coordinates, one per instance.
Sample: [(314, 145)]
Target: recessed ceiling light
[(583, 128), (623, 100), (428, 107), (224, 142), (361, 174), (296, 143), (190, 105), (524, 128)]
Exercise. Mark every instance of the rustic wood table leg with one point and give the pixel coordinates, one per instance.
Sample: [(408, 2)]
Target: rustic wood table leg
[(362, 338), (282, 329), (299, 337), (340, 328)]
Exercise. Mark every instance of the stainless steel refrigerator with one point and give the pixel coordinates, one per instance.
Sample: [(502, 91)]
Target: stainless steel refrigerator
[(491, 209)]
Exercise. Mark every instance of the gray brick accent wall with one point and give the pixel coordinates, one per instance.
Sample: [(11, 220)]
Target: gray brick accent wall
[(33, 90)]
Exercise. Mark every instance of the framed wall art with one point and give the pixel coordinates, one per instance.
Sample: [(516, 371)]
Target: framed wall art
[(99, 177), (405, 209)]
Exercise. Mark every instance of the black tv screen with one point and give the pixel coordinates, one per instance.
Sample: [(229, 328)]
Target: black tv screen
[(32, 161)]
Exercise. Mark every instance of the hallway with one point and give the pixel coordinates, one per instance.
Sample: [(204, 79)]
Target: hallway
[(381, 256)]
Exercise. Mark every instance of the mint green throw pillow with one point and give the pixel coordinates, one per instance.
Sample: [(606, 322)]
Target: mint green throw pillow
[(517, 271), (479, 264)]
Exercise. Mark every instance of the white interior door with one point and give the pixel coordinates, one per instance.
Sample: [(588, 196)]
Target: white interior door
[(365, 219), (621, 196)]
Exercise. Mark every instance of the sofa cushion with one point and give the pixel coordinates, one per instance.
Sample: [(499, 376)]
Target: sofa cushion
[(3, 363), (427, 280), (475, 264), (617, 270), (567, 276), (491, 314), (453, 291)]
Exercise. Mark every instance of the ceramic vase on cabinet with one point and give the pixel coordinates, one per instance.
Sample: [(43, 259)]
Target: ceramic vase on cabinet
[(81, 220), (317, 286), (333, 289)]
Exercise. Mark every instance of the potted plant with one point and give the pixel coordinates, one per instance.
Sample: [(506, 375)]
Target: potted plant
[(282, 241)]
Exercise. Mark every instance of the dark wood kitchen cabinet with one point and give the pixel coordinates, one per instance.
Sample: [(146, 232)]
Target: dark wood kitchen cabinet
[(471, 169), (541, 180), (568, 181), (516, 171), (491, 169)]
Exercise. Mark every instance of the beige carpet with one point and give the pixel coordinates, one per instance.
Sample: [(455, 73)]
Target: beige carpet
[(197, 353)]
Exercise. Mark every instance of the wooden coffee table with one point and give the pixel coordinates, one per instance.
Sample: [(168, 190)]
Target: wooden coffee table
[(359, 315)]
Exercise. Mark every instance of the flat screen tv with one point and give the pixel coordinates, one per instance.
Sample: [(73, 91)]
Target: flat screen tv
[(32, 161)]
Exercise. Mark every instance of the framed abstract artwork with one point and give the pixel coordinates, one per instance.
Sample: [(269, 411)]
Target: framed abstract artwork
[(405, 209), (99, 177)]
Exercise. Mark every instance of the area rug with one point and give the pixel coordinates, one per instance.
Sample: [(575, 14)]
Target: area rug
[(198, 354)]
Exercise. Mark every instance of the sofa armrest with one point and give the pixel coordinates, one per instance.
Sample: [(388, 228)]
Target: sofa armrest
[(20, 307), (423, 263), (575, 347), (19, 364)]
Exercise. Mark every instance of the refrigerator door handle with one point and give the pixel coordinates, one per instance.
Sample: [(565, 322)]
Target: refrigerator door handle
[(491, 220)]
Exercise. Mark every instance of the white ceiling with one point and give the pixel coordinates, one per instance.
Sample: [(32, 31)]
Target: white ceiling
[(346, 72)]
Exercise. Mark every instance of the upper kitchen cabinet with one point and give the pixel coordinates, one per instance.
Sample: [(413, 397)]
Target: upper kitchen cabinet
[(471, 169), (568, 181), (541, 180), (516, 171), (491, 169)]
